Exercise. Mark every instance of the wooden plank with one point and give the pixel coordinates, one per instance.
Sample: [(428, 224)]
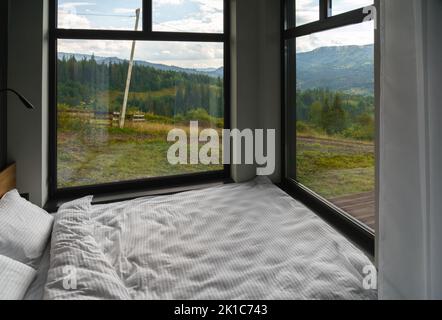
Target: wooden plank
[(360, 206), (356, 206), (7, 180), (350, 201), (367, 195)]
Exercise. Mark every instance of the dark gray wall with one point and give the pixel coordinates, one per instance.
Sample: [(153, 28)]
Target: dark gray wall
[(3, 80), (28, 73), (256, 74)]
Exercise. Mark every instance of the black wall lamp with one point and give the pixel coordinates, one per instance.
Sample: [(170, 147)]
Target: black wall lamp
[(22, 99), (3, 125)]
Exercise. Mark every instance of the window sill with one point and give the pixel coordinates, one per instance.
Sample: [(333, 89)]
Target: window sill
[(53, 204)]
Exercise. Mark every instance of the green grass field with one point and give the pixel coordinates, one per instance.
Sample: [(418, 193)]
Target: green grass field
[(335, 167), (93, 152)]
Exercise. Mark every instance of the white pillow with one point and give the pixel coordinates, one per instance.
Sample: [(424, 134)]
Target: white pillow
[(15, 279), (25, 229)]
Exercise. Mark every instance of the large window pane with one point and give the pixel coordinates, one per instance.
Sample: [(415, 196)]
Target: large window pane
[(188, 16), (172, 84), (98, 14), (341, 6), (335, 116)]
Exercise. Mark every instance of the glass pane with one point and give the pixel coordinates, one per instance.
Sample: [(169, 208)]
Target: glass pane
[(341, 6), (99, 14), (306, 11), (172, 83), (188, 16), (336, 118)]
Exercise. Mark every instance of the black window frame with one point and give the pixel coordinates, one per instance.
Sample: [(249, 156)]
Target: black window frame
[(355, 230), (146, 34)]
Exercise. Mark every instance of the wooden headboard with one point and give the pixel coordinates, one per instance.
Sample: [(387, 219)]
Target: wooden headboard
[(7, 180)]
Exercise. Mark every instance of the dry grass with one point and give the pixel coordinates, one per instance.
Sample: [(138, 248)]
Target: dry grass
[(91, 151)]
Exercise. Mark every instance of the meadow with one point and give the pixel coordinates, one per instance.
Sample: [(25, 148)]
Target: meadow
[(335, 142), (335, 167), (95, 150)]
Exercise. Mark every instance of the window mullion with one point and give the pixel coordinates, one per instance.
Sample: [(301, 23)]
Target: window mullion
[(324, 9), (147, 16)]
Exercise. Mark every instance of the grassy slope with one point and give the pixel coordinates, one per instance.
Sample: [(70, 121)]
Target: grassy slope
[(335, 167), (92, 152)]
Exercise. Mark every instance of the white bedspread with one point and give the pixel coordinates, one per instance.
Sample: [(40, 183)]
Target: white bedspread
[(239, 241), (15, 278)]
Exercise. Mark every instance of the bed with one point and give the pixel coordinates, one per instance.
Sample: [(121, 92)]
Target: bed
[(237, 241), (24, 233)]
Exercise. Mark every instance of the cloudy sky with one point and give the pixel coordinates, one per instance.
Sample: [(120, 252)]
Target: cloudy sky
[(308, 10), (360, 34), (190, 16), (169, 15)]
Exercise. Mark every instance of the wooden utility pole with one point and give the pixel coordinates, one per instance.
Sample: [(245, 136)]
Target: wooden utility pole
[(129, 74)]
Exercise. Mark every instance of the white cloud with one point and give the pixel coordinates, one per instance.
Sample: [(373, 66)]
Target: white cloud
[(209, 24), (124, 11), (66, 6), (208, 17), (68, 18), (359, 34), (307, 11), (180, 54), (348, 5), (160, 3)]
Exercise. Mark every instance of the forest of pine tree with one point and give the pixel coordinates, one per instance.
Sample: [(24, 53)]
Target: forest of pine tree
[(95, 86), (335, 113), (99, 87)]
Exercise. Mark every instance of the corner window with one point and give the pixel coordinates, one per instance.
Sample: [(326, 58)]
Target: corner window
[(124, 74), (330, 109)]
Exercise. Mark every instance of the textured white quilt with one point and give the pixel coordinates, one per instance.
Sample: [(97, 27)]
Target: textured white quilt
[(239, 241)]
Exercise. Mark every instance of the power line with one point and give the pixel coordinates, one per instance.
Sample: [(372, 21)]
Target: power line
[(106, 15)]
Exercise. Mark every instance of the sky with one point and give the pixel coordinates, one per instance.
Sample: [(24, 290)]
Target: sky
[(308, 11), (168, 15), (190, 16), (358, 34)]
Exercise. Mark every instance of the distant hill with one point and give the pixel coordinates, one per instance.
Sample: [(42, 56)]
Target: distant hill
[(212, 72), (342, 68)]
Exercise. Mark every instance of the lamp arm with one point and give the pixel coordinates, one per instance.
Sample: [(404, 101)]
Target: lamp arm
[(22, 99)]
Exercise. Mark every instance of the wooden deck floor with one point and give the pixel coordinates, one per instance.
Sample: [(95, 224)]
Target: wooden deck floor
[(361, 206)]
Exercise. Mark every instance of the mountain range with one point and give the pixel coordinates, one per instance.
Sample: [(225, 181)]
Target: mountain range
[(349, 69), (212, 72)]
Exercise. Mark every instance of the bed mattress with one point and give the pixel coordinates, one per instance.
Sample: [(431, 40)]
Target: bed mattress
[(238, 241)]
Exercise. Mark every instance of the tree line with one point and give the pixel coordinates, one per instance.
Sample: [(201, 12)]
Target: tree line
[(336, 113), (98, 86)]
